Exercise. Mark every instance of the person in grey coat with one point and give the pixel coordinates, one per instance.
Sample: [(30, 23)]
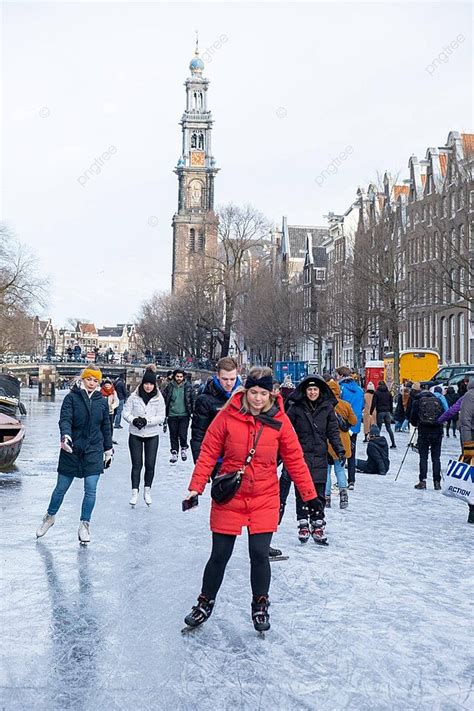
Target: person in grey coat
[(466, 415)]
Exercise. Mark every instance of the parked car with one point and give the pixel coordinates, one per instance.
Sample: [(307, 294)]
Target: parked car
[(446, 373), (458, 378)]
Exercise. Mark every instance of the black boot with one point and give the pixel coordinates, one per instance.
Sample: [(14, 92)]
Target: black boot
[(437, 485), (274, 552), (421, 484), (470, 518), (260, 616), (200, 612)]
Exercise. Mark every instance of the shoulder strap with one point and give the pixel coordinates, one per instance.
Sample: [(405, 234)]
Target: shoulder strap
[(249, 456)]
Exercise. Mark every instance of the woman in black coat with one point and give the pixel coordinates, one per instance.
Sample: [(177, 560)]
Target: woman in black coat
[(311, 411), (86, 446)]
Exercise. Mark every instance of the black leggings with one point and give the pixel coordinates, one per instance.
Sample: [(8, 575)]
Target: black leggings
[(222, 547), (137, 445)]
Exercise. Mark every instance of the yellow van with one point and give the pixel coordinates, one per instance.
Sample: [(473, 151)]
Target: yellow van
[(415, 364)]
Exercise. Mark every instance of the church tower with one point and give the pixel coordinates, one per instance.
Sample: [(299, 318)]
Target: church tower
[(195, 223)]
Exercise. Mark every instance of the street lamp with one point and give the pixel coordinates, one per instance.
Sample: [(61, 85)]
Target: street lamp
[(279, 342), (374, 339), (329, 345), (214, 334)]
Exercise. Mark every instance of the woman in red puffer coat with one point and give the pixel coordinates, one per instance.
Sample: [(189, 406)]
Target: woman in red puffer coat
[(256, 504)]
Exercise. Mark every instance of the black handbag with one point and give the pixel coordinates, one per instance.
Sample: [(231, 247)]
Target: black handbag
[(225, 486)]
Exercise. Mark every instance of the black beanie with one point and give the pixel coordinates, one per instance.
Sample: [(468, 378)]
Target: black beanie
[(149, 377)]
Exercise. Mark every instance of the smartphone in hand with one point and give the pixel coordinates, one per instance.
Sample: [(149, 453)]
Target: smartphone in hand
[(190, 503)]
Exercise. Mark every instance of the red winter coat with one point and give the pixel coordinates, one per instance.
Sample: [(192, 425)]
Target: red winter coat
[(257, 502)]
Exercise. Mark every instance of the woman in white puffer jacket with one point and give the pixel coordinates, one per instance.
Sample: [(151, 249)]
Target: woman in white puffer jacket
[(145, 412)]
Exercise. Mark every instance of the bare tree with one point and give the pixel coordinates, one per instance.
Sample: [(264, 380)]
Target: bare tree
[(22, 290), (243, 245)]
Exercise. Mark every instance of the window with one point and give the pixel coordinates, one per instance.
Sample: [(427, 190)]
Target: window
[(201, 242), (429, 216), (192, 240), (445, 206), (462, 345), (320, 273), (444, 339), (452, 331), (453, 204)]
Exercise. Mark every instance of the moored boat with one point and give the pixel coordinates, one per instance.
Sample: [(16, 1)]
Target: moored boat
[(12, 433)]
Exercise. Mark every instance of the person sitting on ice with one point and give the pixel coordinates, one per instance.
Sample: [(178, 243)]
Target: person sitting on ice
[(378, 460)]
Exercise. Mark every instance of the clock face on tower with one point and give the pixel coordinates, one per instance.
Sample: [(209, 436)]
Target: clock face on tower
[(197, 158)]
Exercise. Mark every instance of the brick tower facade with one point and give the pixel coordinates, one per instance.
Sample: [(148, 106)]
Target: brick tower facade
[(195, 223)]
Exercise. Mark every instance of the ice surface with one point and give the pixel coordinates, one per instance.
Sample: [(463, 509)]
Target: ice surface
[(381, 619)]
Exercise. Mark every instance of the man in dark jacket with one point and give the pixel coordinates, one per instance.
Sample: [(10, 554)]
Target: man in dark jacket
[(425, 411), (214, 396), (466, 415), (311, 411), (382, 402), (378, 461), (179, 401), (121, 390)]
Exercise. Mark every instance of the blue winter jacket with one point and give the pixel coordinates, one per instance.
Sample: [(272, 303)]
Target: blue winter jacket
[(352, 393), (86, 420)]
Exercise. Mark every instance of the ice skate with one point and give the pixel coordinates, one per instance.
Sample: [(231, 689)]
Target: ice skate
[(48, 521), (317, 532), (260, 616), (437, 485), (147, 495), (470, 516), (343, 499), (199, 613), (174, 456), (328, 502), (351, 486), (274, 552), (303, 531), (184, 453), (134, 498), (84, 533), (421, 485)]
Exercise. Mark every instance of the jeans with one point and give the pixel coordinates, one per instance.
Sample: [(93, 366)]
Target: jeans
[(351, 462), (62, 485), (137, 445), (178, 427), (430, 441), (340, 476), (301, 506), (222, 547), (118, 413), (384, 418)]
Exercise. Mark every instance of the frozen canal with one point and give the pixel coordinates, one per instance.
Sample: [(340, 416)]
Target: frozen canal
[(381, 619)]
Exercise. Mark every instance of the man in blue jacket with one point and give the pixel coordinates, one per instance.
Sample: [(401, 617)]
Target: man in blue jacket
[(352, 393)]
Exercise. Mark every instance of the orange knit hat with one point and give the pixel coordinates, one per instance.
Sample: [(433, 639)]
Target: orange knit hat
[(91, 373)]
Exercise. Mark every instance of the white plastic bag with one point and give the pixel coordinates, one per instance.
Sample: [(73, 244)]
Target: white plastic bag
[(459, 481)]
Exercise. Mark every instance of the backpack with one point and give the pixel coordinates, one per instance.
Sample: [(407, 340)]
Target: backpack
[(429, 410)]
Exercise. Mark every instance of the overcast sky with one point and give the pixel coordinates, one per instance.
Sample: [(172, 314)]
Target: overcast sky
[(292, 86)]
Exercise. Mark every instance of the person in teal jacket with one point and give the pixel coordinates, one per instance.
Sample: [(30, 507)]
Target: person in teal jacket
[(352, 393)]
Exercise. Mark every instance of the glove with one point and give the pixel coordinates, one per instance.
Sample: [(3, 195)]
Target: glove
[(66, 443), (139, 422), (143, 423), (342, 459), (108, 458), (165, 425)]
